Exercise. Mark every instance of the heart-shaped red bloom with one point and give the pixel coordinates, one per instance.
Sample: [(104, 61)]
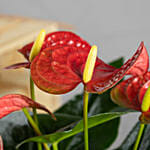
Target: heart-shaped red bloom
[(58, 68), (130, 92)]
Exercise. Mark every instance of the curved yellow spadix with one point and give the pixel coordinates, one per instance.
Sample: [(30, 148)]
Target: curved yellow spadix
[(89, 65), (146, 101), (37, 45)]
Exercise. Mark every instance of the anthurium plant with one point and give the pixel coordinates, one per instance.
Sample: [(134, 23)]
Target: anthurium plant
[(58, 62)]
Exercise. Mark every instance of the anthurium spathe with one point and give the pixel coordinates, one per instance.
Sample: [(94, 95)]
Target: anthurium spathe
[(59, 66), (130, 93), (14, 102)]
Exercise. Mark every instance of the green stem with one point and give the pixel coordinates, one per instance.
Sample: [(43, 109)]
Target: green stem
[(33, 123), (46, 146), (33, 98), (39, 146), (34, 126), (55, 146), (85, 119), (139, 136), (32, 93)]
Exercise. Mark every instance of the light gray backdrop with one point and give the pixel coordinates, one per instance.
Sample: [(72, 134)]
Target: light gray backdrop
[(115, 26)]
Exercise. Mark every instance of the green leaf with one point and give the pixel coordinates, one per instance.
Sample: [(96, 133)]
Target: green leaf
[(92, 121), (145, 144), (48, 125), (72, 112), (14, 128), (117, 63), (129, 142)]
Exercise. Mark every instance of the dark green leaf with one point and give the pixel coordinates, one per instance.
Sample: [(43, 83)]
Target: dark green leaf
[(145, 144), (117, 63), (14, 128), (129, 142), (130, 139), (92, 122)]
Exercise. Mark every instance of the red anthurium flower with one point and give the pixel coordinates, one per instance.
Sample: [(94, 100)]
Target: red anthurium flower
[(14, 102), (130, 92), (58, 68)]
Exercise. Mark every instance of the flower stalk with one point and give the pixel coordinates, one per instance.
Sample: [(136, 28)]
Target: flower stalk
[(32, 93), (34, 126), (55, 146), (85, 119), (87, 76), (139, 136)]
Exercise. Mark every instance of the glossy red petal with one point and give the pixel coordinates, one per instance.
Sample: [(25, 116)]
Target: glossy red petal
[(130, 92), (25, 51), (15, 102), (105, 78), (120, 97), (49, 86), (57, 69), (56, 77), (137, 88), (19, 65), (133, 90), (56, 40), (142, 64), (143, 89), (1, 143)]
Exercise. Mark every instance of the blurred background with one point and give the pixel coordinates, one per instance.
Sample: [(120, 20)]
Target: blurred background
[(116, 27)]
